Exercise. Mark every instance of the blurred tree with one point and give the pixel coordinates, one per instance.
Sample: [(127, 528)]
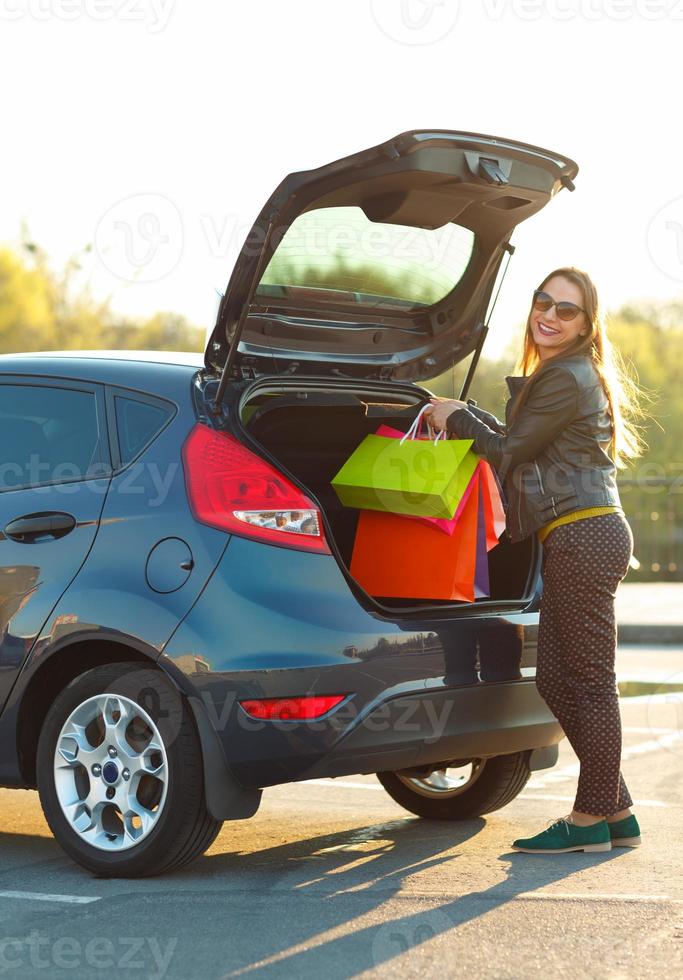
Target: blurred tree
[(163, 331), (26, 310), (41, 309)]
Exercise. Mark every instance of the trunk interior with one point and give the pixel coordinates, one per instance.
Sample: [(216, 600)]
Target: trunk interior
[(312, 431)]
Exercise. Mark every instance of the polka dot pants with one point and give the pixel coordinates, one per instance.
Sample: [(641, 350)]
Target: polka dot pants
[(583, 563)]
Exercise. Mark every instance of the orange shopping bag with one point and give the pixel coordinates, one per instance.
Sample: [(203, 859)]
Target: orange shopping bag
[(399, 557)]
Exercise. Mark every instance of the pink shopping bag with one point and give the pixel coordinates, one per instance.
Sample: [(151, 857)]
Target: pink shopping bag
[(493, 505)]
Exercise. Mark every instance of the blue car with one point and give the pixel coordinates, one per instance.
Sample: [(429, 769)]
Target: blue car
[(179, 627)]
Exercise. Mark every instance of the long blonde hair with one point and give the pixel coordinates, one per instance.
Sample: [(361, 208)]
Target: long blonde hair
[(622, 391)]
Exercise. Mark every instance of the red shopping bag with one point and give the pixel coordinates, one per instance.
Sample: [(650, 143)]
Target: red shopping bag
[(399, 557)]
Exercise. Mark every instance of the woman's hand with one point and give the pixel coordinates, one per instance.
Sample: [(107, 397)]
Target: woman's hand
[(440, 409)]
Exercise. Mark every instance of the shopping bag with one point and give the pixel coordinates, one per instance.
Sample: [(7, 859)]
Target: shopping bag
[(494, 510), (394, 556), (445, 524), (482, 587), (408, 476)]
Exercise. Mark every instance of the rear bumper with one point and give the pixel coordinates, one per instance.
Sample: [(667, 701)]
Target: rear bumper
[(436, 724), (442, 726)]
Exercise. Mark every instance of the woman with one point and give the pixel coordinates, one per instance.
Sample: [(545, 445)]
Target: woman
[(566, 432)]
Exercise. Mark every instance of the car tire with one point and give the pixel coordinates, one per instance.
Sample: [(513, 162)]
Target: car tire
[(120, 774), (454, 794)]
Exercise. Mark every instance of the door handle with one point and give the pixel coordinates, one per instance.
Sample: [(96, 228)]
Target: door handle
[(51, 525)]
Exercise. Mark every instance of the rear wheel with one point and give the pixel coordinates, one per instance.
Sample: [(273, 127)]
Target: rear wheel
[(460, 791), (120, 774)]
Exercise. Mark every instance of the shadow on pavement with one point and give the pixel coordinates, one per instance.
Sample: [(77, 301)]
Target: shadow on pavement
[(270, 912), (401, 849)]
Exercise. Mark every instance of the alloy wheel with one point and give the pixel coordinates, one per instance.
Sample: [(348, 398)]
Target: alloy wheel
[(111, 772)]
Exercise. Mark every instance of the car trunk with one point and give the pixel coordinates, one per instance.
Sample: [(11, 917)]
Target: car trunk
[(310, 431)]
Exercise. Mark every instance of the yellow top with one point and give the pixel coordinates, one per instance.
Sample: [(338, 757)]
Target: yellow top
[(576, 515)]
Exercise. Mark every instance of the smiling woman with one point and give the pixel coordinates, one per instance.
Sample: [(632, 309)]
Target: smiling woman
[(566, 431)]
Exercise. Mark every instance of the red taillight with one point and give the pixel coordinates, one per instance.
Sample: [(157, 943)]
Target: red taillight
[(292, 709), (233, 489)]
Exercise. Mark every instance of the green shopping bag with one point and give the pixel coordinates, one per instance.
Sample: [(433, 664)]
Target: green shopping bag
[(422, 478)]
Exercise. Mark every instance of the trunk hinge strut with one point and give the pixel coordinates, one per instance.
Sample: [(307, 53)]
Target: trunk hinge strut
[(510, 249), (241, 320)]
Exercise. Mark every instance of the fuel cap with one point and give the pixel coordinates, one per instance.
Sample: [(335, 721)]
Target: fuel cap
[(169, 565)]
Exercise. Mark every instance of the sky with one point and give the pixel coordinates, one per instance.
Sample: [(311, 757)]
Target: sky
[(153, 130)]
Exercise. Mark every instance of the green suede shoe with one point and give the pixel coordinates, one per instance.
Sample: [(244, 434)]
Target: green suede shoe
[(626, 832), (562, 836)]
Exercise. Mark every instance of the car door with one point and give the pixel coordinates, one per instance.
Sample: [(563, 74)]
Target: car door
[(54, 474)]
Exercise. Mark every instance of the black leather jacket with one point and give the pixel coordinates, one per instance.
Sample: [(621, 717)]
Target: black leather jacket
[(553, 459)]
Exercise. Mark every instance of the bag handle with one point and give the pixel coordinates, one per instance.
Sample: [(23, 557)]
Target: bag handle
[(414, 429)]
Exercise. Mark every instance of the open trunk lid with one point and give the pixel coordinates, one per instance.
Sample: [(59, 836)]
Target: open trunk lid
[(380, 265)]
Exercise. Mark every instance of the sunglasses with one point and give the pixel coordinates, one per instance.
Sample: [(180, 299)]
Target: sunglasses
[(565, 311)]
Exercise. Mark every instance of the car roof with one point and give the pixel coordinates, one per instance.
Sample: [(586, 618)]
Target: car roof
[(144, 370)]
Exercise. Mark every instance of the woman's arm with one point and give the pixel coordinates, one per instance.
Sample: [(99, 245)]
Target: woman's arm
[(489, 419), (551, 405)]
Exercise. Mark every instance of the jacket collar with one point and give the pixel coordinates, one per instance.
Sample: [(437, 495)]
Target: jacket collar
[(515, 381)]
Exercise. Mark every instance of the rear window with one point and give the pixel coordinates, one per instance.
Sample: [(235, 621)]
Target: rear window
[(49, 435), (344, 257), (138, 423)]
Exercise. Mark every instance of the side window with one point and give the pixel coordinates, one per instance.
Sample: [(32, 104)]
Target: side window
[(47, 435), (138, 423)]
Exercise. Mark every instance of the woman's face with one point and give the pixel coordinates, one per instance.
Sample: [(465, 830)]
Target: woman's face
[(551, 334)]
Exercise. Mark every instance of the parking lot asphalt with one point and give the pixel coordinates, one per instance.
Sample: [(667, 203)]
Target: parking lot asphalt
[(333, 878)]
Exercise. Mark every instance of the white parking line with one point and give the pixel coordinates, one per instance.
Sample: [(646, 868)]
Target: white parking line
[(652, 746), (542, 777), (545, 777), (342, 783), (550, 796), (41, 897), (597, 897)]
